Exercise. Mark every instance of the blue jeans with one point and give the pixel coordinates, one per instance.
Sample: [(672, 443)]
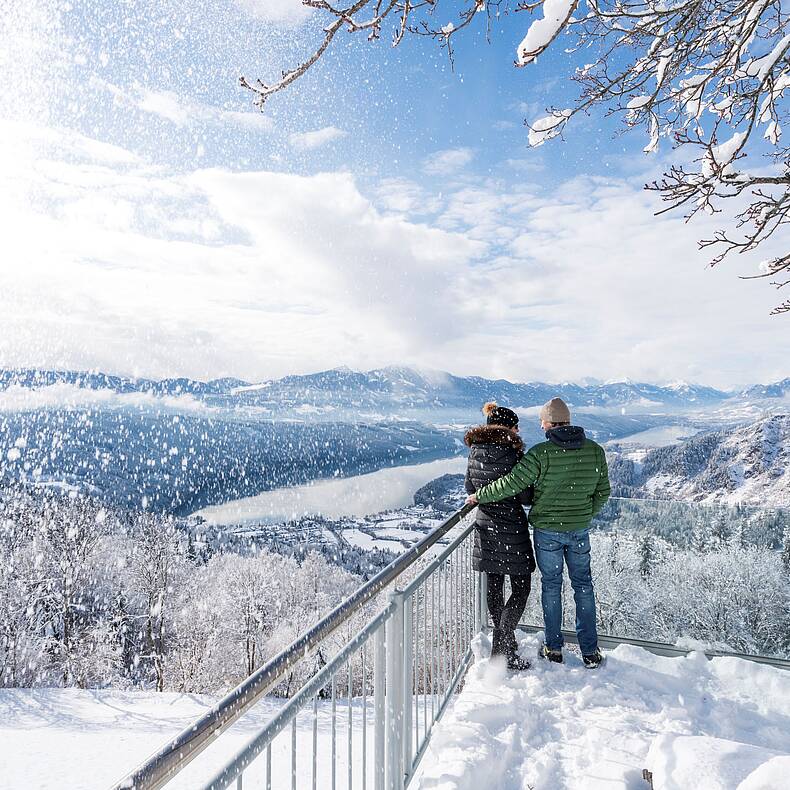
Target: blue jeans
[(551, 549)]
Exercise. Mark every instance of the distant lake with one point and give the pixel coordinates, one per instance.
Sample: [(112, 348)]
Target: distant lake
[(661, 436), (349, 496)]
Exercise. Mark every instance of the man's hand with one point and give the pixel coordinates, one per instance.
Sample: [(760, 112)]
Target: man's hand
[(471, 499)]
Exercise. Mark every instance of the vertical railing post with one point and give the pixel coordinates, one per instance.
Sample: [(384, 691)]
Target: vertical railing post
[(379, 712), (394, 699), (481, 610), (408, 679)]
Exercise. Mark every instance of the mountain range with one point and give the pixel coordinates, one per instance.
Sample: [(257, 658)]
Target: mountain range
[(749, 464), (180, 445), (385, 389)]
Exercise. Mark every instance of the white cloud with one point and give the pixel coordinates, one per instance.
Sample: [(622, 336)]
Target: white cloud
[(111, 263), (316, 138), (526, 165), (402, 196), (143, 271), (601, 287), (252, 119), (182, 110), (288, 12), (168, 105), (69, 396), (448, 162)]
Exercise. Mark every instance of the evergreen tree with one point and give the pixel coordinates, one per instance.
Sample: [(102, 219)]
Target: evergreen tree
[(720, 531), (647, 555), (122, 633), (700, 542), (191, 553), (739, 536)]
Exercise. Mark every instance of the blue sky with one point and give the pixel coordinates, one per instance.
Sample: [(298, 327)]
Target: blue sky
[(383, 210)]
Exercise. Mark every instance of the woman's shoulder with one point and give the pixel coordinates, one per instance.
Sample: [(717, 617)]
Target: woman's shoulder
[(497, 435)]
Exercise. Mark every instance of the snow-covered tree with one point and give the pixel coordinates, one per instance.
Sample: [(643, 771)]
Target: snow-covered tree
[(616, 577), (154, 565), (647, 555), (67, 537), (720, 530), (709, 75), (786, 550)]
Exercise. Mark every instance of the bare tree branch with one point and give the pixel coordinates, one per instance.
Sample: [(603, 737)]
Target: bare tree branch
[(708, 75)]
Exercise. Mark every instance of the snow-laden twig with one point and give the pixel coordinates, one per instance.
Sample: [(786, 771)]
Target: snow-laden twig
[(693, 72)]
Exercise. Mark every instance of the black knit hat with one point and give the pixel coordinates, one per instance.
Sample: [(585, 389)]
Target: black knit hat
[(500, 415)]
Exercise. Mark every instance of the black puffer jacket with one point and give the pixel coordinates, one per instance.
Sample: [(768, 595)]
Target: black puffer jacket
[(502, 542)]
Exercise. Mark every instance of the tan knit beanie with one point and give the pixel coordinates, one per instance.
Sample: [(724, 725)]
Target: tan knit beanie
[(556, 410)]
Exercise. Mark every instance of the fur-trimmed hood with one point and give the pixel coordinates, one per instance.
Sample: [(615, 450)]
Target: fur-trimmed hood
[(494, 434)]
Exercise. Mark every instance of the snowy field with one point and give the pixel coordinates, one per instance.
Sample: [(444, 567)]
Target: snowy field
[(712, 725), (356, 537), (72, 739)]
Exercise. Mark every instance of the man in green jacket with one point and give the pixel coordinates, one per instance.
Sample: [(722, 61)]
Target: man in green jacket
[(571, 483)]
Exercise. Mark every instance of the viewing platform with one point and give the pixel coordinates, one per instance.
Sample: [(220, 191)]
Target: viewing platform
[(395, 688)]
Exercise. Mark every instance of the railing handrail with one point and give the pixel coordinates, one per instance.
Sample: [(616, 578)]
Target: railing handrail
[(701, 504), (191, 741), (664, 648)]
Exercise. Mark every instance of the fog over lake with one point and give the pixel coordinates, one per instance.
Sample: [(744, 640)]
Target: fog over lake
[(349, 496)]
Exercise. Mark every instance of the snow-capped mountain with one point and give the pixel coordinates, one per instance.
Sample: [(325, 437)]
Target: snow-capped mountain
[(749, 465), (386, 388), (383, 389), (180, 444), (779, 389)]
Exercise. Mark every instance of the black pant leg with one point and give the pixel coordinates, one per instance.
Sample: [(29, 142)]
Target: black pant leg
[(514, 608), (495, 597)]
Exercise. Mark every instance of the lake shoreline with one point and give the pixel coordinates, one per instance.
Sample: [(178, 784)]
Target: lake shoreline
[(387, 488)]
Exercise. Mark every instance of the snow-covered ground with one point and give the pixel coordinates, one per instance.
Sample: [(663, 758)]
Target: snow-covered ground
[(368, 542), (72, 739), (713, 725)]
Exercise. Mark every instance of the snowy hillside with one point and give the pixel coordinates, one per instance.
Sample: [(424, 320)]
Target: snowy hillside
[(180, 461), (748, 465), (713, 725)]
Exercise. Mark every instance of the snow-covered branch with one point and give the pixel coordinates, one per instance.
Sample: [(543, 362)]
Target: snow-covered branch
[(709, 76)]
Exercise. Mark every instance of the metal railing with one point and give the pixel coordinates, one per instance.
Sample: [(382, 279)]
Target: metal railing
[(365, 718), (394, 679), (663, 648)]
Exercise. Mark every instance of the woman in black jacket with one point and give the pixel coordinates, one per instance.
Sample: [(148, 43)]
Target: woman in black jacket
[(502, 542)]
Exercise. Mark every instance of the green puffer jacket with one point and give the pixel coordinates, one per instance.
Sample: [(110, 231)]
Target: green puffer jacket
[(570, 476)]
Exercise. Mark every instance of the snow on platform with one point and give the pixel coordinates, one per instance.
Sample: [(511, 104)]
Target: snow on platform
[(712, 725), (719, 725)]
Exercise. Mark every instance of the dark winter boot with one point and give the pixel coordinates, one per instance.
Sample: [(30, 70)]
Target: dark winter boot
[(551, 655), (594, 660), (515, 663), (497, 643), (510, 648)]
